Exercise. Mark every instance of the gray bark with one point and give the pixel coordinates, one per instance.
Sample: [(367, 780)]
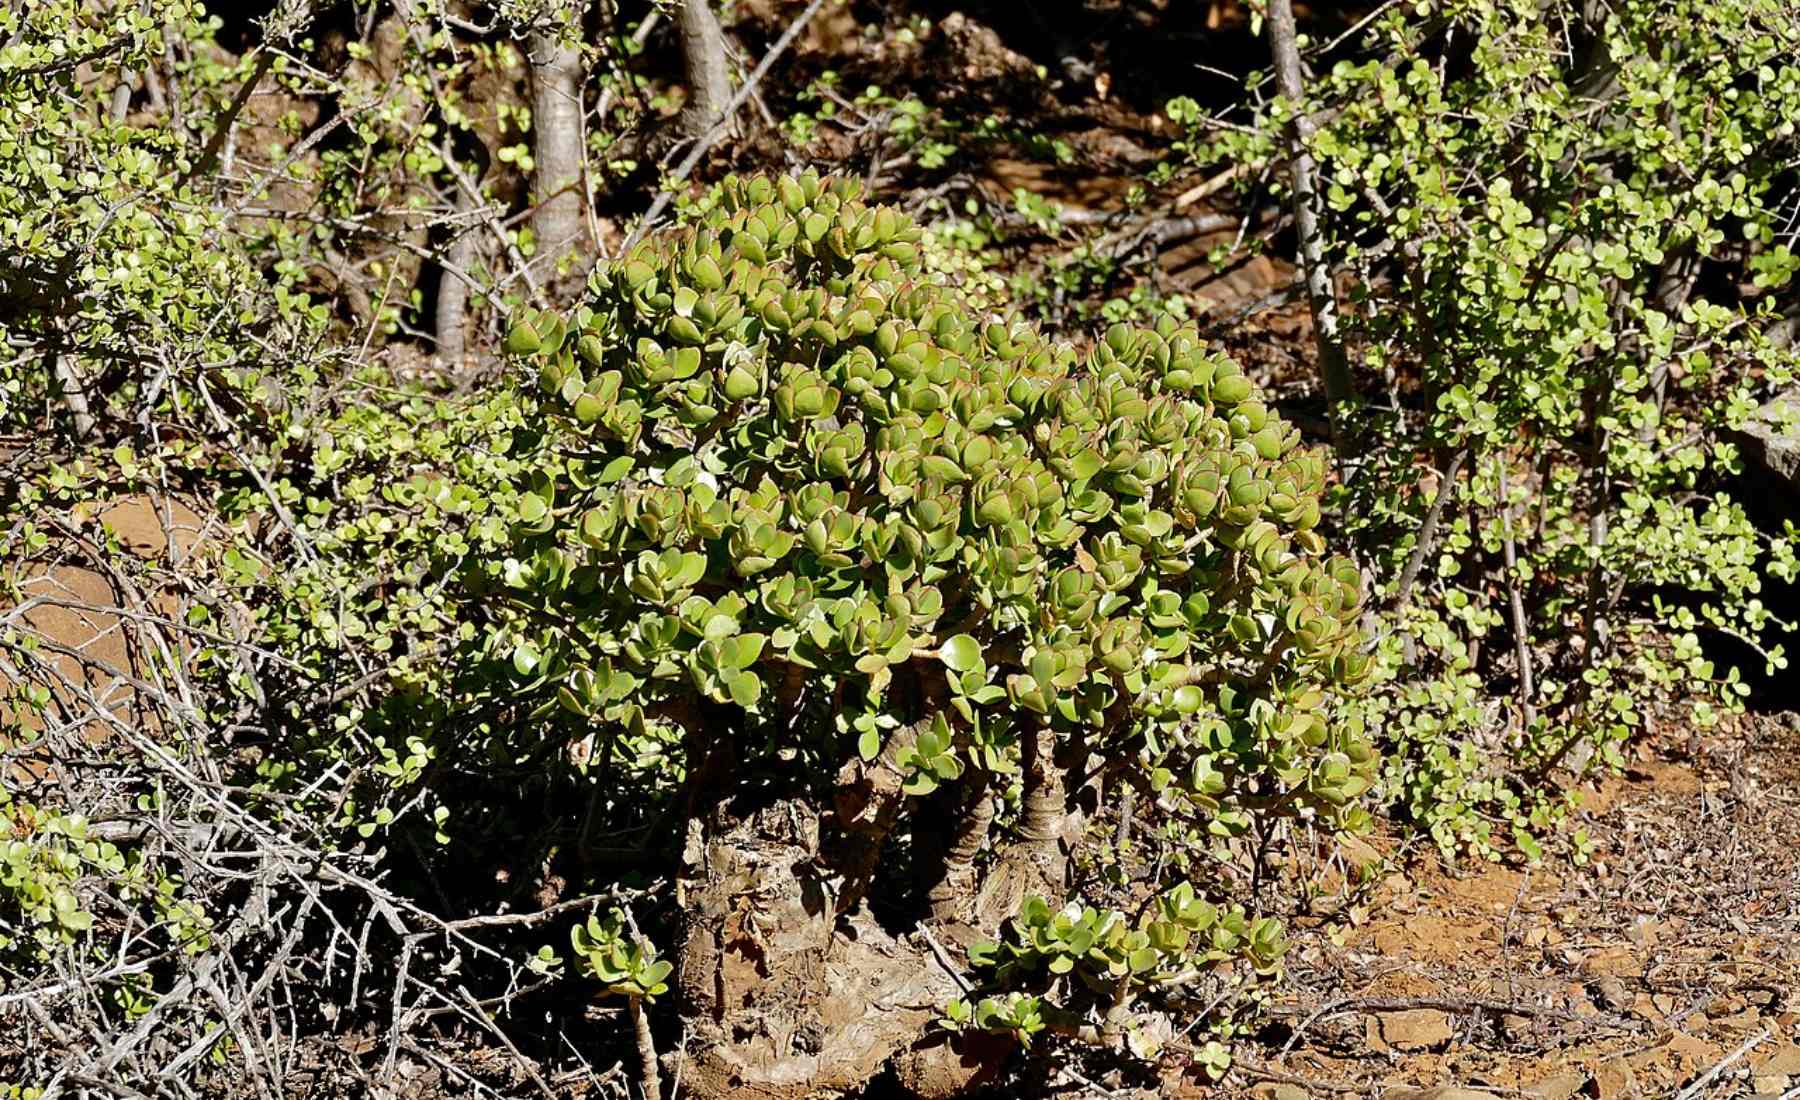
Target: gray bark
[(559, 208), (708, 71), (1321, 295), (74, 394), (121, 98), (1516, 607), (453, 293), (1674, 286)]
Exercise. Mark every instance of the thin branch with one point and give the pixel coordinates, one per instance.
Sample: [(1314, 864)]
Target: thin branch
[(1209, 187), (646, 1045), (1723, 1064), (1321, 294), (1516, 605), (1427, 541), (209, 156)]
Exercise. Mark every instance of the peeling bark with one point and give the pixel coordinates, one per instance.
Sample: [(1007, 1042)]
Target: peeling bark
[(792, 985), (867, 804), (788, 996), (795, 989)]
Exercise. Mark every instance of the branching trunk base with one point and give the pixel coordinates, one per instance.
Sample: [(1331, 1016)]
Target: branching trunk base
[(786, 998)]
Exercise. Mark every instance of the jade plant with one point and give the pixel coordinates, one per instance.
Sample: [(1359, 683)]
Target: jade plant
[(1108, 959), (801, 520), (624, 965)]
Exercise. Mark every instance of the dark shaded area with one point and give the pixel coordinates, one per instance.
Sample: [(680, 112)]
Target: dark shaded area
[(1771, 504)]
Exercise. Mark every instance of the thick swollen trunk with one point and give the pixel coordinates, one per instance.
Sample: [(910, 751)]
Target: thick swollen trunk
[(787, 996), (950, 896), (558, 195), (793, 987), (1037, 860), (1044, 812), (708, 70), (1044, 819)]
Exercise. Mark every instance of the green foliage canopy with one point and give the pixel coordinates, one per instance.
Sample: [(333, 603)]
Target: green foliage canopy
[(1569, 230), (799, 481)]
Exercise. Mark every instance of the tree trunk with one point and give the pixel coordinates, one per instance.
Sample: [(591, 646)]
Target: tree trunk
[(950, 896), (74, 394), (453, 294), (1044, 813), (1037, 862), (708, 71), (1321, 295), (793, 986), (559, 207), (1674, 286), (788, 996)]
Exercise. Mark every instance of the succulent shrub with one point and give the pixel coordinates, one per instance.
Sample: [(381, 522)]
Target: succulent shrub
[(801, 485), (117, 299), (1111, 958), (138, 335), (1570, 229), (798, 507)]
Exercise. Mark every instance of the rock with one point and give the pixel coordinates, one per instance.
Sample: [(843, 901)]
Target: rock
[(1769, 1085), (149, 527), (1440, 1092), (977, 50), (1613, 994), (1615, 1081), (1560, 1087), (1372, 1036), (1784, 1060), (1614, 961), (1272, 1091), (1690, 1051), (1414, 1029), (1357, 852), (1724, 1005), (1770, 439)]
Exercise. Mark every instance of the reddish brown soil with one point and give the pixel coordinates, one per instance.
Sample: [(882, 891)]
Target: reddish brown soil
[(1632, 977)]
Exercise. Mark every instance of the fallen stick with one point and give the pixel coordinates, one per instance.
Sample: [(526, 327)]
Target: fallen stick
[(1209, 187), (1724, 1064)]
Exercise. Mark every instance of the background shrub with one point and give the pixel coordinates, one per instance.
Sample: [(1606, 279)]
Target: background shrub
[(1566, 227)]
